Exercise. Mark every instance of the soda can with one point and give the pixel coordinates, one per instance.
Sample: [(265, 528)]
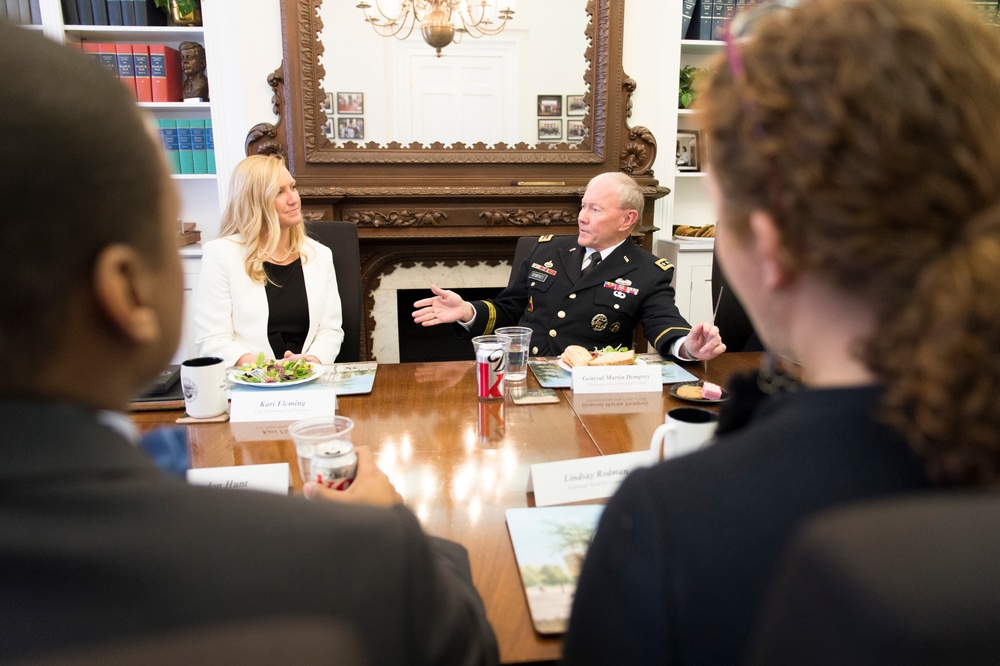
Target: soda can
[(490, 366), (334, 465)]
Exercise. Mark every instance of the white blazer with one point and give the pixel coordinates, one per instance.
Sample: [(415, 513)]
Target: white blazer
[(230, 309)]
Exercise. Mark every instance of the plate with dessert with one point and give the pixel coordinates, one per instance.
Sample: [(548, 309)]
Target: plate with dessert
[(703, 392)]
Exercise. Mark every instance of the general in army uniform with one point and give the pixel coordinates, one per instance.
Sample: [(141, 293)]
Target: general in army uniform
[(590, 291)]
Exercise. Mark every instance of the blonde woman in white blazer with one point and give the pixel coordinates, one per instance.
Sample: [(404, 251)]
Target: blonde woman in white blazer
[(264, 286)]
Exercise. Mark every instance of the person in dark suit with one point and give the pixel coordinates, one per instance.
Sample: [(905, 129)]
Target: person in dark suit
[(592, 290), (96, 544), (855, 166)]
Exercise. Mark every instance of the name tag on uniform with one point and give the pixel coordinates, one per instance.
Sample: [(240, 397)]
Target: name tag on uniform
[(537, 275)]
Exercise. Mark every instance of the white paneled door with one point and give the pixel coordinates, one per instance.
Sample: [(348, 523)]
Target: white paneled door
[(468, 95)]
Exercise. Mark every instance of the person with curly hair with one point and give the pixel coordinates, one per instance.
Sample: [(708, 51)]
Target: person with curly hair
[(854, 159)]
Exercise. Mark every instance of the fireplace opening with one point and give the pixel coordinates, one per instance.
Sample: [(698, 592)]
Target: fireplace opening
[(433, 343)]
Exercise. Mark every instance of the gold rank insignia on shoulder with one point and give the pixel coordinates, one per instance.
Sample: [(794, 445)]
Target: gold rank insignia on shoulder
[(664, 264), (545, 239), (626, 259)]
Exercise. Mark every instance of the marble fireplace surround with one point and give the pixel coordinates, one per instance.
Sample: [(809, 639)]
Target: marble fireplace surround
[(394, 259), (412, 262), (384, 315)]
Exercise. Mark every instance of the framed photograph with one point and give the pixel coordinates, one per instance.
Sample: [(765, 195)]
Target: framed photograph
[(575, 106), (350, 104), (688, 150), (575, 130), (550, 105), (349, 129), (327, 104), (328, 130), (549, 130)]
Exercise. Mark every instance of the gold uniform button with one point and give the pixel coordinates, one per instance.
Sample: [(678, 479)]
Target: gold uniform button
[(532, 284), (561, 314), (534, 351), (552, 333), (572, 295), (616, 306)]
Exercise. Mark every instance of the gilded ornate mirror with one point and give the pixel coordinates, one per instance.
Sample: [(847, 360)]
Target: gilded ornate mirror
[(570, 50)]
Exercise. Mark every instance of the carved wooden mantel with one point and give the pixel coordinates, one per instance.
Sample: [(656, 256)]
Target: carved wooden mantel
[(451, 203)]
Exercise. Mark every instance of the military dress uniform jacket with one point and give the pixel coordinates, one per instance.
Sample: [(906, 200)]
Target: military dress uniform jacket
[(546, 293)]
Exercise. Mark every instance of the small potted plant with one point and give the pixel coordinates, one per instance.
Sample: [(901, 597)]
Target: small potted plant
[(686, 91), (181, 12)]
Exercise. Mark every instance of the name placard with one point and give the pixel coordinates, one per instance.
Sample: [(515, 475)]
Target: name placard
[(582, 479), (272, 478), (291, 404), (617, 379)]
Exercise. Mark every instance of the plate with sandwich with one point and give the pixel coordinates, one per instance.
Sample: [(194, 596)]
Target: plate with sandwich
[(575, 355)]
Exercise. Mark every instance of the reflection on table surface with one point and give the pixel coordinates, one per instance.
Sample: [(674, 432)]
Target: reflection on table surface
[(460, 463)]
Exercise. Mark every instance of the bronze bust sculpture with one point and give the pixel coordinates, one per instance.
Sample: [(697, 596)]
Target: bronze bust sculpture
[(193, 64)]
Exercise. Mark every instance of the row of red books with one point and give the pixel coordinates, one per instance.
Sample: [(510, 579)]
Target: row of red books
[(151, 71)]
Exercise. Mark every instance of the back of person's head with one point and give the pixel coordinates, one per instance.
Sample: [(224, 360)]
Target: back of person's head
[(253, 189), (868, 130), (80, 171)]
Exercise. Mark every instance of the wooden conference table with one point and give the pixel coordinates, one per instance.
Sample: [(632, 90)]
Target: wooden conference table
[(459, 463)]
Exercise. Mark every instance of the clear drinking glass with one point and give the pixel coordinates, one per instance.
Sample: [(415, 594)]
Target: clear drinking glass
[(517, 355), (310, 433)]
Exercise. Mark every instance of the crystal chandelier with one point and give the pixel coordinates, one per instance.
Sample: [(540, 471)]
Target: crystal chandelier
[(441, 21)]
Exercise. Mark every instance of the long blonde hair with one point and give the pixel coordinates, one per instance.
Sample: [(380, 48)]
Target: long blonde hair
[(250, 212)]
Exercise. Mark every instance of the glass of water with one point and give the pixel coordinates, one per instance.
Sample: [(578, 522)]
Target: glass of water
[(517, 357)]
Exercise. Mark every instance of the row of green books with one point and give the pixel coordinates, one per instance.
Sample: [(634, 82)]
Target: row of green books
[(189, 144)]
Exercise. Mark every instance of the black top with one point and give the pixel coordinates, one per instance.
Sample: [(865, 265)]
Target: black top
[(685, 549), (287, 307)]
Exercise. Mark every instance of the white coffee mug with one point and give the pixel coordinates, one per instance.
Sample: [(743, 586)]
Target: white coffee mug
[(204, 383), (684, 430)]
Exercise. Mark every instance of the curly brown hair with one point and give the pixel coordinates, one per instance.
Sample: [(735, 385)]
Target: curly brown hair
[(869, 129)]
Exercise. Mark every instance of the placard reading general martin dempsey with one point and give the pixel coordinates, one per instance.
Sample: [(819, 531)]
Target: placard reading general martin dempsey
[(617, 379)]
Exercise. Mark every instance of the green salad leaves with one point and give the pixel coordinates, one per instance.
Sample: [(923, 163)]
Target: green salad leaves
[(612, 348), (269, 371)]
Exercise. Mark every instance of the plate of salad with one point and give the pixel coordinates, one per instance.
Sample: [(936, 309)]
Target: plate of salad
[(269, 373)]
